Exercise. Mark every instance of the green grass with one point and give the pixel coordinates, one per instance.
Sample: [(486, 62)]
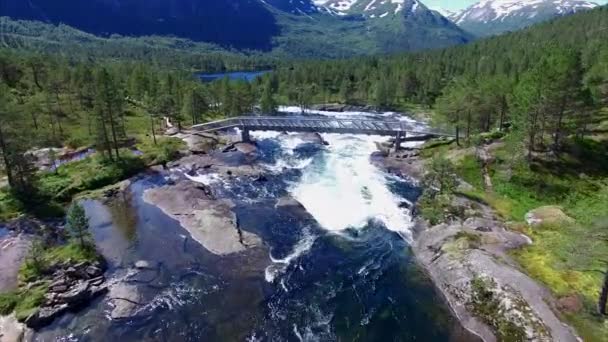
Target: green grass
[(22, 302), (10, 206), (29, 301), (8, 301), (71, 252), (165, 150), (25, 300), (88, 174)]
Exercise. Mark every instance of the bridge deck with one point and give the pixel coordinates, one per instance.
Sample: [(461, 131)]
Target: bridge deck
[(321, 125)]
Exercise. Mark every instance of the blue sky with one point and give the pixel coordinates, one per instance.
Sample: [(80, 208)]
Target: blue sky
[(458, 4)]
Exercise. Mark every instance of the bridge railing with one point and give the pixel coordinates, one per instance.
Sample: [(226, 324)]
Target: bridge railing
[(339, 125)]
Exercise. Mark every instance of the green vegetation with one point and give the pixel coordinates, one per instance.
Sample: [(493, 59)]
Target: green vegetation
[(486, 304), (22, 302), (569, 258), (439, 185)]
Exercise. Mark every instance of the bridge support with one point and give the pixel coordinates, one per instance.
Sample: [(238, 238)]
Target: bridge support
[(400, 136), (245, 135)]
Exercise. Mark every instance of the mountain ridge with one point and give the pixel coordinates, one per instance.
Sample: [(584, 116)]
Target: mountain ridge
[(491, 17), (303, 28)]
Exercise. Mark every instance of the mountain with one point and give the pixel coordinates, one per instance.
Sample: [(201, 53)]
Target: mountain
[(240, 23), (491, 17), (304, 28)]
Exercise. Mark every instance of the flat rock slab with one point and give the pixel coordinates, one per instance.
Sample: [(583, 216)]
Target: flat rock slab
[(212, 223), (11, 330), (13, 250), (453, 266)]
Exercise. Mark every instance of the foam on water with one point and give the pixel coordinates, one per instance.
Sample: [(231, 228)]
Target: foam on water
[(205, 179), (347, 191), (280, 264)]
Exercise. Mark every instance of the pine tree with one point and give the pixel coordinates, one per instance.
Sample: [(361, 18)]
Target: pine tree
[(78, 226), (267, 103)]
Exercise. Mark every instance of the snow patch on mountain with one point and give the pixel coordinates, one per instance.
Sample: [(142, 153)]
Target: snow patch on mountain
[(499, 10)]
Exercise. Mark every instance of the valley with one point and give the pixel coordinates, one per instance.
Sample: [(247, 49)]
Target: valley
[(397, 177)]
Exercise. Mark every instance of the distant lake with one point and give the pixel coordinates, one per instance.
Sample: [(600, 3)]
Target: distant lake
[(235, 75)]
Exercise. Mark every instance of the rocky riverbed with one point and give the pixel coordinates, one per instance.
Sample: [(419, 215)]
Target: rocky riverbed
[(293, 237)]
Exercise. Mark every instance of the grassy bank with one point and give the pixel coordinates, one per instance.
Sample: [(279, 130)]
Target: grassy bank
[(566, 256), (54, 189)]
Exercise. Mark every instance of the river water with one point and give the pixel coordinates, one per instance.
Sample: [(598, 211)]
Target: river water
[(342, 272)]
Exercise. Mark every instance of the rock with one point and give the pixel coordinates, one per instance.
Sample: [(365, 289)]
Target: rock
[(405, 205), (97, 281), (45, 315), (548, 215), (246, 148), (260, 178), (125, 300), (211, 222), (143, 265), (171, 131), (93, 271), (307, 138), (11, 330), (570, 304), (58, 288), (79, 293)]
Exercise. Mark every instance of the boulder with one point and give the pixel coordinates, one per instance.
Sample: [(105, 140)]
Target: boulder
[(77, 294), (143, 265), (548, 215), (246, 148), (93, 271), (570, 304), (45, 315), (125, 300)]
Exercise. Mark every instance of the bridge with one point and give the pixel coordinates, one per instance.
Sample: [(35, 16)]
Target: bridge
[(398, 129)]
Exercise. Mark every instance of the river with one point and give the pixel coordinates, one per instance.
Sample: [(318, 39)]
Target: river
[(342, 272)]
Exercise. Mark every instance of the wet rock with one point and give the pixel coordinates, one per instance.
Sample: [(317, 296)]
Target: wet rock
[(143, 265), (97, 281), (59, 288), (246, 148), (125, 300), (44, 316), (548, 215), (405, 205), (260, 178), (77, 294), (93, 271)]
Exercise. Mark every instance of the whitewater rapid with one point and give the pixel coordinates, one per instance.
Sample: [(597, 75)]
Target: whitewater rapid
[(345, 190)]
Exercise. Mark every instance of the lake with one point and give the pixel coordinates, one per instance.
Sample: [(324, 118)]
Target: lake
[(234, 75)]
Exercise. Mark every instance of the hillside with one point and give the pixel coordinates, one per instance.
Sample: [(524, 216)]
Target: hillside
[(287, 28)]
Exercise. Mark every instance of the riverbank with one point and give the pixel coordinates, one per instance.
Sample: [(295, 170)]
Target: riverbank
[(480, 249)]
